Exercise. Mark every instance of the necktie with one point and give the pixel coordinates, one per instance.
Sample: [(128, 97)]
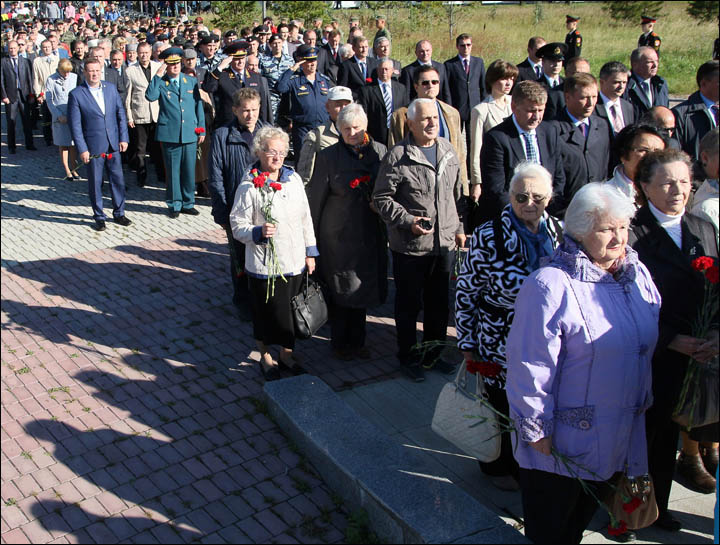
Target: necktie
[(646, 89), (388, 102), (537, 71), (530, 153), (17, 73), (363, 70), (466, 64), (714, 109), (175, 84), (617, 123), (584, 130)]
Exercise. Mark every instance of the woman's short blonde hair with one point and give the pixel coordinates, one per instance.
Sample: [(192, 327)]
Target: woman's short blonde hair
[(266, 134), (65, 66)]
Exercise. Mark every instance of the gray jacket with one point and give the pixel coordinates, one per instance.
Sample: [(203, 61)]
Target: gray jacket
[(408, 185)]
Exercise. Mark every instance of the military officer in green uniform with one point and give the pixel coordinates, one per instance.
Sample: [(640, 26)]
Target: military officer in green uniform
[(573, 40), (648, 37), (382, 31), (305, 93), (180, 128)]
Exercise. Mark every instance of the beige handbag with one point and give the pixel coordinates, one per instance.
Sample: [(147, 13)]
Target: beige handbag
[(634, 502), (465, 418)]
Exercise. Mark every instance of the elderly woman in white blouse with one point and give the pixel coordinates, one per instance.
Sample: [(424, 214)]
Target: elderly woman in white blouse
[(57, 91), (499, 81)]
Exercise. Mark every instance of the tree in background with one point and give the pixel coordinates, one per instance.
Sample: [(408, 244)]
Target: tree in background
[(630, 12), (703, 10), (305, 10), (236, 14)]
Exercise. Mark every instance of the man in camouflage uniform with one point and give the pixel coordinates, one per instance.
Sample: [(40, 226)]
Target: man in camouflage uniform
[(273, 67), (209, 58)]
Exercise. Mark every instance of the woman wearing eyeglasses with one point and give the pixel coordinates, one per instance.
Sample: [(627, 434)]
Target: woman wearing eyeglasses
[(502, 253), (294, 241)]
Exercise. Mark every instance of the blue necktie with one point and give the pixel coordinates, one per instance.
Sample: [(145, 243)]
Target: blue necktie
[(388, 101), (530, 153), (363, 70)]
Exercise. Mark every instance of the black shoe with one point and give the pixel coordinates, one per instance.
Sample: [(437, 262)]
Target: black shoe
[(413, 372), (173, 213), (294, 369), (667, 522), (141, 177), (99, 225), (626, 537), (190, 211), (122, 220), (270, 374), (76, 178)]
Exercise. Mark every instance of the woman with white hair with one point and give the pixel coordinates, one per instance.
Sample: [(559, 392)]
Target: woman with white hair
[(351, 240), (294, 241), (502, 253), (579, 367)]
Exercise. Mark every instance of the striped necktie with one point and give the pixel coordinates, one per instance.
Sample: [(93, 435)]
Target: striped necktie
[(616, 122), (388, 101), (530, 153)]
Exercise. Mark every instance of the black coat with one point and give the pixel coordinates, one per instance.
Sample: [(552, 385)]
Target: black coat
[(350, 75), (331, 64), (638, 98), (466, 90), (692, 122), (371, 99), (555, 103), (351, 237), (223, 85), (584, 160), (8, 85), (408, 74), (526, 72), (502, 151), (681, 289), (628, 112)]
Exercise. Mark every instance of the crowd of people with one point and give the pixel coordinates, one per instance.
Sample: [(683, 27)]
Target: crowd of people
[(578, 201)]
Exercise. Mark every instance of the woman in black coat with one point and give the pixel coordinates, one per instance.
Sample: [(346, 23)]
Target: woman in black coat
[(667, 241), (350, 237)]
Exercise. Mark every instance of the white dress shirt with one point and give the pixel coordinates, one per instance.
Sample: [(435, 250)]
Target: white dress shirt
[(97, 94)]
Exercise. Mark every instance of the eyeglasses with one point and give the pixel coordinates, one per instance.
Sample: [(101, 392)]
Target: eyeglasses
[(275, 153), (522, 198), (430, 82)]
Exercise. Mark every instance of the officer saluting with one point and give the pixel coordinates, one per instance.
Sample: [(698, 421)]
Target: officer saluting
[(648, 37), (230, 76), (573, 40), (306, 94), (180, 127)]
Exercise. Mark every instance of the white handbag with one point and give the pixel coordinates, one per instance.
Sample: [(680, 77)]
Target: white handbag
[(465, 418)]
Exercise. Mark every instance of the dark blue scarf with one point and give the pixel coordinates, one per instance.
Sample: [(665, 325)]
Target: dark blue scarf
[(537, 245)]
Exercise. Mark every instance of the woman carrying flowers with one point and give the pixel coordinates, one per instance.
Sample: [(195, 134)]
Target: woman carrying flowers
[(351, 238), (668, 241), (272, 218)]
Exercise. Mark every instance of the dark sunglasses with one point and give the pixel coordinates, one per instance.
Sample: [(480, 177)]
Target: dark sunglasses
[(522, 198), (430, 82)]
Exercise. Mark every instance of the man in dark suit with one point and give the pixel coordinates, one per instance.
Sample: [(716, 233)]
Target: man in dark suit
[(531, 68), (466, 79), (356, 72), (610, 105), (381, 99), (585, 138), (98, 125), (423, 52), (698, 115), (645, 88), (521, 137), (381, 48), (16, 94), (556, 96), (227, 78), (333, 58)]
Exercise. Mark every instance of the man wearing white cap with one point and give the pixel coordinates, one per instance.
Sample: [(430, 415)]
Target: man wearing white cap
[(325, 135)]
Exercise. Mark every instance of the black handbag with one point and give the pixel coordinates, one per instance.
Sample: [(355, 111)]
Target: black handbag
[(309, 309)]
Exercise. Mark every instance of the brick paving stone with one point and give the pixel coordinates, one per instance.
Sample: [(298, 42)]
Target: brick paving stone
[(254, 530), (144, 537), (74, 517), (287, 513), (13, 516), (120, 527), (101, 533), (233, 534), (15, 536), (205, 524), (208, 490), (180, 475), (87, 487), (238, 506), (164, 533), (111, 503), (138, 519), (54, 524), (303, 505), (163, 481)]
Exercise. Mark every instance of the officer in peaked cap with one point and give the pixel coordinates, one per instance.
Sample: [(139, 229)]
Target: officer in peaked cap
[(573, 40), (305, 93), (649, 37), (181, 126), (552, 55), (230, 75)]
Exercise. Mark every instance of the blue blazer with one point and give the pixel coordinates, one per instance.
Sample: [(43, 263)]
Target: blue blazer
[(92, 130)]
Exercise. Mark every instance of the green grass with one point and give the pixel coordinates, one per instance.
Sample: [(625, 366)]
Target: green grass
[(503, 31)]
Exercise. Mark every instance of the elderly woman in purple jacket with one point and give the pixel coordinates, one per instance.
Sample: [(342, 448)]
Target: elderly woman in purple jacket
[(578, 377)]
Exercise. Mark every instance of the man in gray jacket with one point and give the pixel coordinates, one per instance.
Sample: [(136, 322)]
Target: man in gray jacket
[(418, 194)]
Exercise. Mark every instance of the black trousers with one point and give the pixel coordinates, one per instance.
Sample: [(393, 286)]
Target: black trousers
[(505, 464), (556, 509), (347, 327), (273, 320), (421, 283), (237, 269), (46, 123), (11, 114), (662, 441), (143, 136)]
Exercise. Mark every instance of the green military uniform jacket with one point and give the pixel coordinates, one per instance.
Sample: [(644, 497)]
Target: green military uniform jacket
[(181, 110)]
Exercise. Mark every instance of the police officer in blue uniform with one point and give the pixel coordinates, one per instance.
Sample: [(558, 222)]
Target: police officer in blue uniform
[(180, 128), (305, 92), (230, 76)]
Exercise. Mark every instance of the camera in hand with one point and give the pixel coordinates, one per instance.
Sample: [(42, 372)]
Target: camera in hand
[(425, 224)]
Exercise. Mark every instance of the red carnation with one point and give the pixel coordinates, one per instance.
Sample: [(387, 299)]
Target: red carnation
[(368, 80), (259, 182), (199, 130), (354, 183), (364, 179), (108, 156), (102, 155), (713, 274), (702, 263), (633, 504), (275, 186), (618, 530)]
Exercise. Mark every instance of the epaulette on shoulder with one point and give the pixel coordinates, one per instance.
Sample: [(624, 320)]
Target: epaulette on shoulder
[(213, 75)]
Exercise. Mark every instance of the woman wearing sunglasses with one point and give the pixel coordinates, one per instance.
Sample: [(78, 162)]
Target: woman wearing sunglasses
[(502, 253)]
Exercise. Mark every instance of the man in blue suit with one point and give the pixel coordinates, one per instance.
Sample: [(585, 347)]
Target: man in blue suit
[(99, 128), (180, 128)]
